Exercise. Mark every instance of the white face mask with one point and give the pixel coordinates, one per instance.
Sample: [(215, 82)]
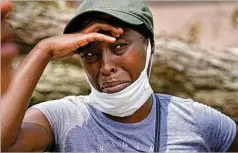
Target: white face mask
[(125, 102)]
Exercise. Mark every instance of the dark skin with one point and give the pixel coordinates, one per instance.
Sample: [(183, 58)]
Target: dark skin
[(112, 67), (20, 128)]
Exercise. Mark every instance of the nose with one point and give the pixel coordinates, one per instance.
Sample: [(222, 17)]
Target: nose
[(108, 66)]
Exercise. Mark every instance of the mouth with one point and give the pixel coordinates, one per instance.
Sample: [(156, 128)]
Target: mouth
[(114, 87)]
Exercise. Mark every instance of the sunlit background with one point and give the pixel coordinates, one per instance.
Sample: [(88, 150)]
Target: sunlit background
[(196, 50)]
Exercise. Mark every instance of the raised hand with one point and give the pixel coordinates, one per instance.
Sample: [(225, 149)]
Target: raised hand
[(64, 46)]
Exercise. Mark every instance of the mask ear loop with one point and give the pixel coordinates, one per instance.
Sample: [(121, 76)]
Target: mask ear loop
[(148, 52), (151, 62), (148, 55)]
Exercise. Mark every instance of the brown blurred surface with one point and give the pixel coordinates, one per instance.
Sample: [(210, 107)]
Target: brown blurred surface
[(209, 24)]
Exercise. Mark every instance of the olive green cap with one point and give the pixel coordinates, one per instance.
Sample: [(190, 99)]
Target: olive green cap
[(132, 12)]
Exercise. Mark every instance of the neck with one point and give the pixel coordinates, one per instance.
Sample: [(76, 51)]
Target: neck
[(138, 116)]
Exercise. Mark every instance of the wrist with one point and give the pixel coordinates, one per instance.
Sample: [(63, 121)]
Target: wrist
[(42, 47)]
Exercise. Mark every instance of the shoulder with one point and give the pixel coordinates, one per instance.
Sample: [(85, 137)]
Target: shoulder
[(64, 114), (174, 103), (69, 101), (188, 112), (65, 108), (187, 107), (205, 125)]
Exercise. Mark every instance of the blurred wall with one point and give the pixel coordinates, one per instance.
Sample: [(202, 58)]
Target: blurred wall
[(210, 24)]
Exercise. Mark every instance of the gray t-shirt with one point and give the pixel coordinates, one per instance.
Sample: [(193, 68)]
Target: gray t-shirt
[(185, 126)]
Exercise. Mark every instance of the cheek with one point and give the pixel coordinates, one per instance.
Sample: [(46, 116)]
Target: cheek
[(134, 62), (92, 72)]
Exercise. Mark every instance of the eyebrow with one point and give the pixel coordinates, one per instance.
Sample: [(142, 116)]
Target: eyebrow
[(83, 49)]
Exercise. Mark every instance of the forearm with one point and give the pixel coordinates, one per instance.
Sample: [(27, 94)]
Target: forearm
[(16, 99)]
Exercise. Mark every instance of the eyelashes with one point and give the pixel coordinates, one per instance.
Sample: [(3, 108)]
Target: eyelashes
[(92, 51)]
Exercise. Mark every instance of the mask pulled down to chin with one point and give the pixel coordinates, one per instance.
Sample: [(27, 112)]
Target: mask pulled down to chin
[(129, 100)]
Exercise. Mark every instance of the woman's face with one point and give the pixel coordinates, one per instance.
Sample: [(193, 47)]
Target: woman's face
[(112, 67)]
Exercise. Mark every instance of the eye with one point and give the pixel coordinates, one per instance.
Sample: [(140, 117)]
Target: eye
[(119, 48), (89, 54)]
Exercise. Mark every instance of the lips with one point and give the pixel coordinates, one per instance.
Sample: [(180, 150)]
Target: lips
[(112, 87)]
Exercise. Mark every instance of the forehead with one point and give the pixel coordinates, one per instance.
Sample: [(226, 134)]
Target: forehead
[(102, 18)]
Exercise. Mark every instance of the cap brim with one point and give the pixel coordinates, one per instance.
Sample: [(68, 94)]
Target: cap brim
[(77, 22)]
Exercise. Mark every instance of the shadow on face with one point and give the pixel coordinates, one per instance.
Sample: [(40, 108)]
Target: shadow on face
[(111, 67)]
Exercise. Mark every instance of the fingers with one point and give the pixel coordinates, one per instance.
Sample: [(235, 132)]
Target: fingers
[(6, 6), (116, 32), (65, 46), (91, 37)]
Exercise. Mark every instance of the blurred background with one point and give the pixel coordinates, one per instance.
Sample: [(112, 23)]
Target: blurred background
[(196, 52)]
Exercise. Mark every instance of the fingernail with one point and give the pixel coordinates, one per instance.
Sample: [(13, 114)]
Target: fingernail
[(120, 29), (112, 38)]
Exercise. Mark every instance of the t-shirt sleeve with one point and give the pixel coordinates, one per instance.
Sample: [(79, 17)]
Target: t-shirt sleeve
[(58, 112), (217, 129)]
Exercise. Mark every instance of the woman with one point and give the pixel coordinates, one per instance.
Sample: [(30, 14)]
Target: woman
[(114, 41)]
